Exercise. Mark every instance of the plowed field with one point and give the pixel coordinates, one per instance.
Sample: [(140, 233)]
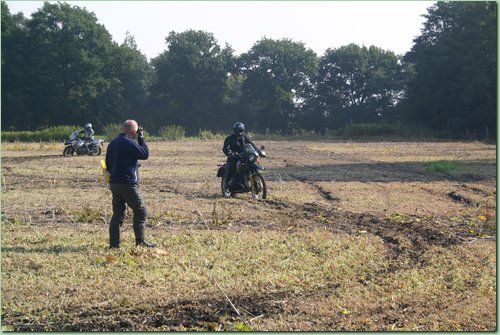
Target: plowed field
[(353, 236)]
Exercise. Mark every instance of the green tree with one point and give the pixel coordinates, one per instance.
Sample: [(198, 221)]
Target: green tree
[(358, 84), (61, 67), (14, 35), (231, 108), (65, 62), (277, 77), (130, 77), (454, 86), (190, 81)]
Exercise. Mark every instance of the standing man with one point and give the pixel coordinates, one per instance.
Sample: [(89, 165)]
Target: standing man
[(121, 161)]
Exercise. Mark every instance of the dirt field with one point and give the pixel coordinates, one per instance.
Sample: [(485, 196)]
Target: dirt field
[(353, 236)]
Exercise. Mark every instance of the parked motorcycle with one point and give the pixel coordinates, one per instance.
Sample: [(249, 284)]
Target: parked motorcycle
[(75, 145), (246, 178)]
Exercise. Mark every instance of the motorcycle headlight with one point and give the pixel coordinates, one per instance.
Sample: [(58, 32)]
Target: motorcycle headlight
[(251, 158)]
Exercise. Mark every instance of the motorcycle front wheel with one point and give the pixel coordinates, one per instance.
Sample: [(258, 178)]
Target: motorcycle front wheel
[(68, 151), (226, 192), (95, 151), (259, 189)]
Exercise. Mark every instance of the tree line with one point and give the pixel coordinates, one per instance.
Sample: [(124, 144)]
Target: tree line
[(60, 66)]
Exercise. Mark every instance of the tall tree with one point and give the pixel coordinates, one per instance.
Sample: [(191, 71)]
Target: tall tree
[(65, 63), (190, 80), (14, 34), (358, 84), (130, 77), (454, 88), (277, 74), (61, 67)]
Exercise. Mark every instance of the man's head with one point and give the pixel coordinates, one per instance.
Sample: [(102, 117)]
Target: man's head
[(88, 125), (130, 128), (239, 128)]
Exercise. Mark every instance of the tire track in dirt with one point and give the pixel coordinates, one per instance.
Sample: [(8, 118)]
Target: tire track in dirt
[(22, 159), (461, 199), (324, 193), (478, 190), (402, 242), (458, 197), (406, 242)]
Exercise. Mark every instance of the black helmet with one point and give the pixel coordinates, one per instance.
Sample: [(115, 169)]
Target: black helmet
[(239, 128)]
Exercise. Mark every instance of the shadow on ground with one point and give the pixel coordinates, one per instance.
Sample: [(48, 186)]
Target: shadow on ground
[(56, 249), (466, 171)]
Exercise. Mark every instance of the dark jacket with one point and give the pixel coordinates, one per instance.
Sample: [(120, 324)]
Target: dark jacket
[(121, 159), (235, 144)]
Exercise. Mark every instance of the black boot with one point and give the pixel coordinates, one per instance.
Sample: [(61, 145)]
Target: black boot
[(139, 237), (145, 243), (114, 235)]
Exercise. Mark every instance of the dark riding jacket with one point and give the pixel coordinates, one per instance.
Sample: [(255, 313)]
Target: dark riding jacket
[(121, 159), (235, 144)]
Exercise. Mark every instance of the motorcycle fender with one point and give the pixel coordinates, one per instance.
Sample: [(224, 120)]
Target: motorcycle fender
[(221, 171), (259, 167)]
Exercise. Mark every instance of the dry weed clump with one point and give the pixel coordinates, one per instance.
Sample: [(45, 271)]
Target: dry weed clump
[(353, 237)]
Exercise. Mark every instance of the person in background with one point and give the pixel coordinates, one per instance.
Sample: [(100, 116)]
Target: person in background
[(88, 135), (122, 158)]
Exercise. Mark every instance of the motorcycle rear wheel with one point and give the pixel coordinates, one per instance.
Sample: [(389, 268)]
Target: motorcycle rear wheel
[(68, 151), (259, 189), (96, 151)]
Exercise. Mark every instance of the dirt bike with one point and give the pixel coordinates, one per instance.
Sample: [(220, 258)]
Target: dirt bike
[(75, 145), (246, 178)]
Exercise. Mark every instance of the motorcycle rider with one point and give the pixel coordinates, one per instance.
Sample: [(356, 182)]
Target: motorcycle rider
[(88, 135), (233, 148)]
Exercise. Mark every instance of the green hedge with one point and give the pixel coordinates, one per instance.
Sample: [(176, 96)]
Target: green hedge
[(175, 132), (172, 132), (56, 133), (370, 129), (367, 130), (112, 130), (209, 135)]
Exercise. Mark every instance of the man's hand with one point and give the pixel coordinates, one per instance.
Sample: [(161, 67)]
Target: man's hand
[(140, 132)]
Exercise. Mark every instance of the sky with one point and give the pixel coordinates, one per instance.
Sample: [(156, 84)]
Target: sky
[(390, 25)]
